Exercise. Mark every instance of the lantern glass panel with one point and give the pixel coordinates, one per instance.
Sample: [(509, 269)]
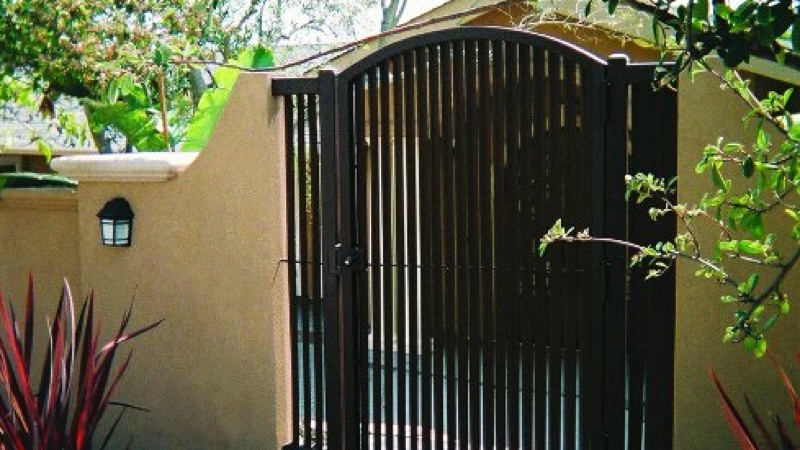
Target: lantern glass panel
[(107, 230), (122, 232)]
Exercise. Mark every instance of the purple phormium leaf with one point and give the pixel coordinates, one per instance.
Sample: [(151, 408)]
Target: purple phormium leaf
[(760, 425), (104, 362), (70, 366), (128, 406), (789, 387), (10, 436), (55, 378), (104, 444), (17, 362), (786, 439), (784, 377), (46, 368), (12, 388), (105, 399), (81, 431), (733, 417), (129, 336), (18, 389), (123, 325), (797, 402), (73, 396), (56, 335), (29, 323), (5, 378), (71, 343), (86, 364)]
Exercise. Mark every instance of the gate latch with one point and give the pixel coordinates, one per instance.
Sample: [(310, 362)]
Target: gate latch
[(349, 258)]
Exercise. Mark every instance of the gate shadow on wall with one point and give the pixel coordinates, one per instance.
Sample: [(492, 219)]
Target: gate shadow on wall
[(420, 179)]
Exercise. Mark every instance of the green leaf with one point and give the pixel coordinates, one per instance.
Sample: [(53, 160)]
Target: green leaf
[(747, 287), (135, 123), (748, 167), (794, 131), (32, 179), (796, 35), (716, 178), (162, 56), (728, 246), (702, 165), (700, 10), (732, 147), (769, 322), (730, 333), (754, 223), (751, 247), (45, 148), (212, 102), (209, 109), (262, 58), (256, 58), (612, 6), (757, 346), (761, 348), (722, 10), (762, 140)]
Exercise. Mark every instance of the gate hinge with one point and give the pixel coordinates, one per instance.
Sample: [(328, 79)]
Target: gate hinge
[(348, 258)]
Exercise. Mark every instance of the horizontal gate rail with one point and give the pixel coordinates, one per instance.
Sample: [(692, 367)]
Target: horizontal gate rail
[(287, 86)]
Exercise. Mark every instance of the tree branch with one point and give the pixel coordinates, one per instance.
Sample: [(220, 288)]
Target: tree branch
[(356, 43)]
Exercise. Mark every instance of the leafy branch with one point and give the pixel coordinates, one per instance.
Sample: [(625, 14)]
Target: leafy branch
[(750, 182)]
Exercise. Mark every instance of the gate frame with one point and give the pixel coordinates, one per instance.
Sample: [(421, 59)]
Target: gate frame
[(608, 170)]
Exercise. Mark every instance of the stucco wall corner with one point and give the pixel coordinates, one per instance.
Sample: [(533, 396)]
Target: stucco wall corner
[(206, 257)]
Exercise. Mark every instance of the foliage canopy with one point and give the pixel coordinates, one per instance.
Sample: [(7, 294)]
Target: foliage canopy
[(137, 65), (751, 182)]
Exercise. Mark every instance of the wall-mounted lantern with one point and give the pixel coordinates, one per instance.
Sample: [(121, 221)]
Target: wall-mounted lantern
[(116, 223)]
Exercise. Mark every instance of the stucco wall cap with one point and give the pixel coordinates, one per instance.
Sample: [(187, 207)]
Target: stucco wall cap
[(126, 167)]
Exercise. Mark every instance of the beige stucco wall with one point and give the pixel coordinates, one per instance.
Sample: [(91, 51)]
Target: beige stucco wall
[(38, 235), (706, 113), (206, 257)]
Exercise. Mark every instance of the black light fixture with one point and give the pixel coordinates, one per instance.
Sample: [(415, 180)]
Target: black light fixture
[(116, 223)]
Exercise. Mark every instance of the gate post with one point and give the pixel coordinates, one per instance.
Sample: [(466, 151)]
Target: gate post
[(336, 181), (345, 269), (652, 304), (614, 257), (330, 284)]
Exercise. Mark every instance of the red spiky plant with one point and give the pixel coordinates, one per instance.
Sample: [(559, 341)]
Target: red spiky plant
[(782, 439), (77, 383)]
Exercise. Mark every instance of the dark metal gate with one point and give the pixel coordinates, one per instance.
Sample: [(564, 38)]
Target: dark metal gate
[(420, 179)]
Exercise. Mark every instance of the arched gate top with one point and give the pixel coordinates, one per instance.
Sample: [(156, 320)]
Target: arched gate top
[(504, 34)]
